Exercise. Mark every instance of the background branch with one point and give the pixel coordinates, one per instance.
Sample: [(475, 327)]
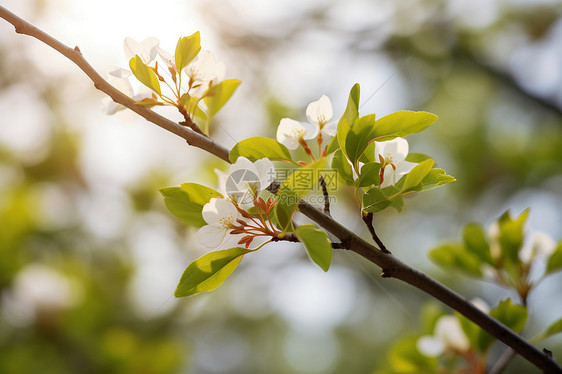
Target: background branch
[(391, 266)]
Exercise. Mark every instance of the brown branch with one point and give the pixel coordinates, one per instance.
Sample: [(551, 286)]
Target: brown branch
[(325, 194), (391, 266), (368, 219)]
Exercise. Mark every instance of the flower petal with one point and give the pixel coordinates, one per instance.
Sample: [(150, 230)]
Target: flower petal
[(266, 172), (449, 330), (211, 236), (330, 129), (145, 49), (320, 111), (430, 346), (289, 132), (311, 130)]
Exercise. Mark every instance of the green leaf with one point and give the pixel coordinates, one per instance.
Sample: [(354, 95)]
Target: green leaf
[(512, 236), (401, 124), (187, 49), (144, 74), (554, 328), (370, 175), (375, 200), (435, 178), (470, 329), (342, 167), (285, 207), (191, 105), (512, 315), (209, 271), (259, 147), (317, 244), (475, 242), (416, 157), (405, 358), (186, 202), (216, 96), (455, 257), (414, 178), (359, 136), (554, 262), (349, 117)]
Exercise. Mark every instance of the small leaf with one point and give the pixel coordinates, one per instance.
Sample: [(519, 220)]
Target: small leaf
[(349, 117), (475, 242), (210, 271), (144, 74), (333, 146), (370, 175), (342, 167), (149, 102), (454, 257), (187, 49), (401, 124), (435, 178), (186, 202), (285, 207), (554, 262), (512, 315), (375, 200), (191, 104), (216, 96), (415, 177), (317, 244), (554, 328), (259, 147), (359, 136), (512, 236), (416, 157)]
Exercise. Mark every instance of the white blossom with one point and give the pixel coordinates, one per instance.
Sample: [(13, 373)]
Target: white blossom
[(146, 49), (245, 180), (448, 335), (204, 72), (221, 216), (320, 113), (392, 154), (291, 132)]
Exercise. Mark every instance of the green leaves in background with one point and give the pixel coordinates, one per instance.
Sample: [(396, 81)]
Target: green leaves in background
[(186, 202), (511, 237), (259, 147), (401, 124), (404, 357), (317, 244), (187, 49), (455, 257), (554, 262), (217, 95), (209, 271), (512, 315), (144, 74), (554, 328)]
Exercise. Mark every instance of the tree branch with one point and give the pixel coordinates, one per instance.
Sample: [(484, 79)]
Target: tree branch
[(390, 265)]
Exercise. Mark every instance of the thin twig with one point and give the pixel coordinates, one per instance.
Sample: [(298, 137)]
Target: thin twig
[(502, 362), (391, 266), (368, 219), (326, 195)]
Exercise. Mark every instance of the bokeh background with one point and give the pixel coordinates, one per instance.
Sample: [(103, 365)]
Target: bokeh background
[(89, 256)]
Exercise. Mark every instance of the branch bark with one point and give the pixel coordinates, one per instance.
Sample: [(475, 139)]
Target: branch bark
[(390, 265)]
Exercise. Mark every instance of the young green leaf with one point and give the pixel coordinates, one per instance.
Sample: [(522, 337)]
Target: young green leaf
[(342, 167), (209, 271), (414, 178), (511, 236), (554, 262), (186, 202), (144, 74), (475, 242), (553, 329), (317, 244), (259, 147), (349, 117), (416, 157), (435, 178), (455, 257), (359, 136), (375, 200), (401, 124), (187, 49), (216, 96), (512, 315), (370, 175)]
